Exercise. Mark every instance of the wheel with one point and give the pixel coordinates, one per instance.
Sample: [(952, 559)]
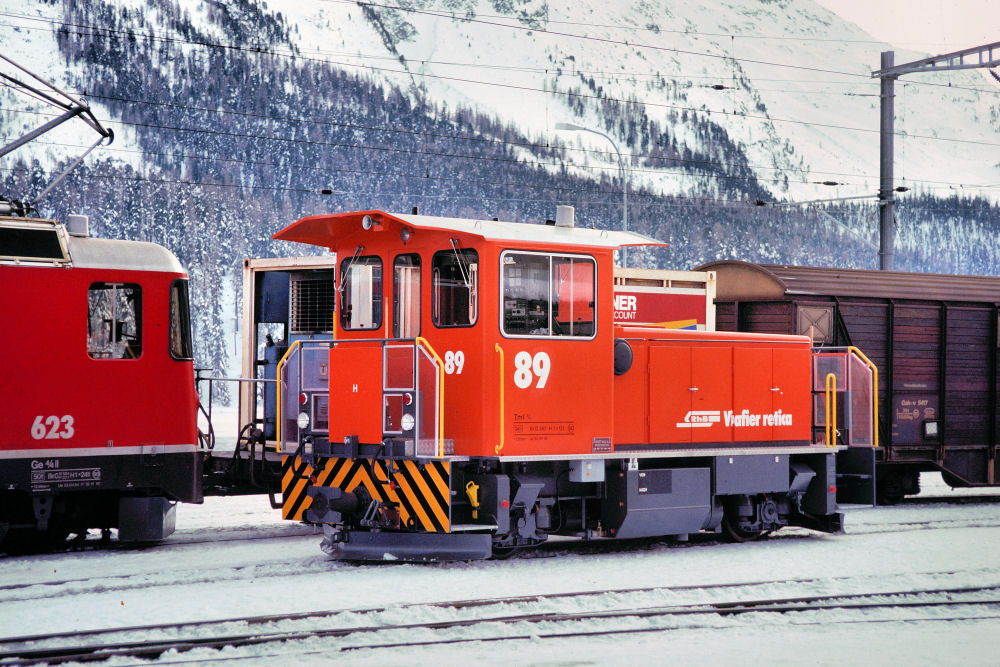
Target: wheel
[(735, 533), (892, 485), (502, 553)]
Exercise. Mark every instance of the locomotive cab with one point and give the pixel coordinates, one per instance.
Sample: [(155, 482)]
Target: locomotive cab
[(103, 432), (475, 398), (498, 306)]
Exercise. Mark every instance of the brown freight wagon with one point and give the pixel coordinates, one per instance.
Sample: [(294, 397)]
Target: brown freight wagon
[(933, 337)]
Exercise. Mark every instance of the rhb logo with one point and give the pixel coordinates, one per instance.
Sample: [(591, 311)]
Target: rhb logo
[(700, 419), (705, 419)]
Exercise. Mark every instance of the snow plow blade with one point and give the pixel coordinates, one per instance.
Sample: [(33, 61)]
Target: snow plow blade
[(405, 547)]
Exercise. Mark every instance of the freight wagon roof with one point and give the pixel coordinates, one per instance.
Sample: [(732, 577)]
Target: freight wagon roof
[(738, 280), (322, 230)]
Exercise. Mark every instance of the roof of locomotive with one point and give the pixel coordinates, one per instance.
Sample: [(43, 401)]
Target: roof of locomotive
[(741, 280), (323, 230), (86, 252), (94, 253)]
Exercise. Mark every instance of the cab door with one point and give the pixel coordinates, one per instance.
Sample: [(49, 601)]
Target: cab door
[(556, 382)]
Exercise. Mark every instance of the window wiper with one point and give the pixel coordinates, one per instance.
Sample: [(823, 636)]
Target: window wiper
[(346, 271), (466, 273)]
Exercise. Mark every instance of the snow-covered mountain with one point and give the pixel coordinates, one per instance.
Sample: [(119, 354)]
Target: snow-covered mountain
[(231, 118), (797, 94)]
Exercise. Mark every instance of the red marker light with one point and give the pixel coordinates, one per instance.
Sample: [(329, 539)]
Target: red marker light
[(407, 399), (505, 504), (833, 489), (302, 399)]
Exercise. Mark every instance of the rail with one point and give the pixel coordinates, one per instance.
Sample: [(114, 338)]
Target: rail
[(854, 381), (420, 340), (499, 447), (874, 369), (241, 383), (831, 412), (281, 365)]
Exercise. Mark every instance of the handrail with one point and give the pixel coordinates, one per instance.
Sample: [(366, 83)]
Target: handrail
[(281, 364), (861, 355), (499, 448), (420, 340), (199, 378), (831, 393)]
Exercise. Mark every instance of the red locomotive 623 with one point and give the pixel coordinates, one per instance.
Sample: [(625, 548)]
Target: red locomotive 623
[(98, 406)]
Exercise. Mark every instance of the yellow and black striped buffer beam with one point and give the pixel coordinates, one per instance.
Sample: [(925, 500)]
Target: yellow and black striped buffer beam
[(420, 491)]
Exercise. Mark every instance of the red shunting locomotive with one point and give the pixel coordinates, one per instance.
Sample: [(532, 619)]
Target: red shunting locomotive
[(98, 409), (477, 396)]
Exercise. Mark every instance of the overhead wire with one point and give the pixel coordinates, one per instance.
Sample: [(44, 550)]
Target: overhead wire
[(528, 145), (295, 53), (479, 158), (258, 50), (556, 92), (537, 163), (674, 199), (462, 137)]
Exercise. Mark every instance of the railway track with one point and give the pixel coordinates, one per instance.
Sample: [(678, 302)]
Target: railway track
[(66, 587), (285, 531), (536, 617)]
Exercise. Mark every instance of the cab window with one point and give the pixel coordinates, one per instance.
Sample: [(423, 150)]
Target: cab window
[(455, 288), (180, 322), (547, 295), (114, 321), (361, 293), (406, 296)]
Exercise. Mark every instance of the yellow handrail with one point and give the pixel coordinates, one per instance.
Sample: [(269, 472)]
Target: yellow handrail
[(874, 369), (281, 364), (499, 448), (831, 393), (440, 364)]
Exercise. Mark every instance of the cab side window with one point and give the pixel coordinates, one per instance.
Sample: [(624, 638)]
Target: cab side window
[(361, 293), (547, 295), (114, 321), (180, 322), (455, 288)]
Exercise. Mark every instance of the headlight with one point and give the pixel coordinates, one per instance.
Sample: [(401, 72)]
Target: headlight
[(303, 421), (407, 422)]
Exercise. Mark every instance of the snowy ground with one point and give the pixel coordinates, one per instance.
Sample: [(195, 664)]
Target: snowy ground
[(234, 557)]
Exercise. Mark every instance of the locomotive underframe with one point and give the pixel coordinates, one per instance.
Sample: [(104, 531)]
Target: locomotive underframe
[(374, 509), (48, 495)]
